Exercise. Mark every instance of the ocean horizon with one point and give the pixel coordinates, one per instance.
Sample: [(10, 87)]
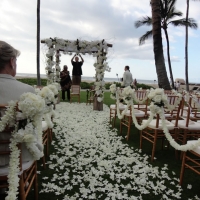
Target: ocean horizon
[(88, 78)]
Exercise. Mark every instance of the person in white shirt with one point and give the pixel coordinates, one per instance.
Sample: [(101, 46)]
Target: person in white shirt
[(127, 77)]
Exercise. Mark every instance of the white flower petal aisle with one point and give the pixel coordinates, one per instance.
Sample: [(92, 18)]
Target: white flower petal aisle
[(91, 161)]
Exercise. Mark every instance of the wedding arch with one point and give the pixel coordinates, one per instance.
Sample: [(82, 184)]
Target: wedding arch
[(98, 49)]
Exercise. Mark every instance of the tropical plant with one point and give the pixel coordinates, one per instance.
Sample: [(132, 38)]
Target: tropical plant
[(186, 45), (38, 43), (157, 45), (167, 12)]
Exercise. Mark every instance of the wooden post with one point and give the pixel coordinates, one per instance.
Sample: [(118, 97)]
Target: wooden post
[(97, 105), (57, 63)]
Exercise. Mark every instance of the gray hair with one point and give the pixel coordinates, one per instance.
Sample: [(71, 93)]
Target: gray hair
[(6, 53)]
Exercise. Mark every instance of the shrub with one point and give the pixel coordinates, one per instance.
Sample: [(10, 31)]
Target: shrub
[(143, 86), (32, 81)]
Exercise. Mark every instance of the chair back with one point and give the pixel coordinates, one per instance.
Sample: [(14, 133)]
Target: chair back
[(92, 87), (173, 113), (75, 89), (168, 92), (194, 103), (141, 94), (5, 138)]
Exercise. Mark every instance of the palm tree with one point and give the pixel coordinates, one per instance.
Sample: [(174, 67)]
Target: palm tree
[(168, 12), (157, 45), (186, 46), (38, 43)]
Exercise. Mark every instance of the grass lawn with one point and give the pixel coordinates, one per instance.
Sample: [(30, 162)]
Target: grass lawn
[(163, 156)]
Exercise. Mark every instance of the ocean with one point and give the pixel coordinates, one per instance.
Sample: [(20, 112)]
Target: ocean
[(88, 78)]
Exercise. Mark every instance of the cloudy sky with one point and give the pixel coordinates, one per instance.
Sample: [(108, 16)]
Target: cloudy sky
[(112, 20)]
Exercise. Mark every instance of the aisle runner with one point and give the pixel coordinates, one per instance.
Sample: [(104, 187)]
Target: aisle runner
[(91, 162)]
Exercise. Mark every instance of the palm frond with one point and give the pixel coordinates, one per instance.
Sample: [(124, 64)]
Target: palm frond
[(170, 6), (144, 21), (162, 9), (171, 15), (182, 22), (145, 37)]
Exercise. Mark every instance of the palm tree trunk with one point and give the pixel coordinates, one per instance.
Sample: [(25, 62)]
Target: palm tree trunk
[(38, 43), (169, 60), (158, 47), (186, 48)]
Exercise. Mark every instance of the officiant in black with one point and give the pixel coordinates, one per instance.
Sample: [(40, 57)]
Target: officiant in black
[(65, 82), (77, 69)]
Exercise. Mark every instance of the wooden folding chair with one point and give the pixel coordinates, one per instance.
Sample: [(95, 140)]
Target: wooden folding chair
[(154, 131), (127, 120), (90, 95), (28, 170), (187, 128), (191, 160), (113, 112), (75, 92)]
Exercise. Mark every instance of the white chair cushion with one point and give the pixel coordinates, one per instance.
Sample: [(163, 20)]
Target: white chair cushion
[(4, 170), (113, 106), (197, 150), (140, 106), (191, 126), (44, 126), (121, 106), (152, 124), (138, 113)]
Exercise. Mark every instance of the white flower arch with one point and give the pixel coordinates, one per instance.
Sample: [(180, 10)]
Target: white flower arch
[(98, 48)]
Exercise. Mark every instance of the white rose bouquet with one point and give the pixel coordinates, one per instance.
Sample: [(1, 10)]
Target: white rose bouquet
[(113, 90)]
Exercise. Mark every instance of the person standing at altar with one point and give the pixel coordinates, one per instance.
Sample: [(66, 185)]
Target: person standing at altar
[(65, 82), (135, 83), (77, 69), (127, 77)]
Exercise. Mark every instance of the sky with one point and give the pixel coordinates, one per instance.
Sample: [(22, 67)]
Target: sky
[(112, 20)]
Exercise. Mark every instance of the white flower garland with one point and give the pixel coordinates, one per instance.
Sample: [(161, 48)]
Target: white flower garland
[(77, 46), (31, 107), (113, 90), (8, 118), (158, 98), (49, 94), (14, 170)]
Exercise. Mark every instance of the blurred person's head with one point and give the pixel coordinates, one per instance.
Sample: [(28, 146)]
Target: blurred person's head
[(65, 68), (126, 68), (76, 58), (8, 59)]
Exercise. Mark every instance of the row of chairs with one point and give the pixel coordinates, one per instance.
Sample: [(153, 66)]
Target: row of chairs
[(183, 122), (28, 170)]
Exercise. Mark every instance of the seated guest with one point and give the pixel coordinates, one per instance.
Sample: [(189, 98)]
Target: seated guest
[(11, 89)]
